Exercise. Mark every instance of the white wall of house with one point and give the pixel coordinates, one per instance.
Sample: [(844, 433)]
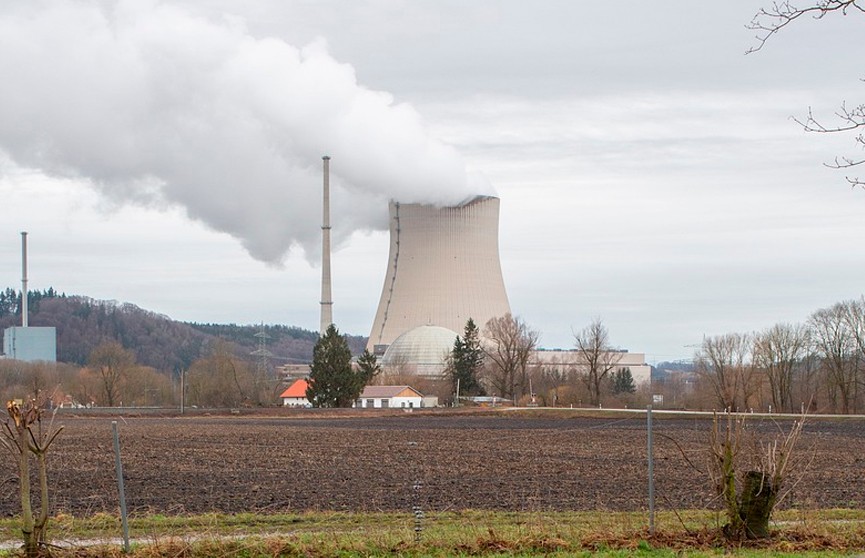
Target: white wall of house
[(390, 403), (296, 402), (407, 402)]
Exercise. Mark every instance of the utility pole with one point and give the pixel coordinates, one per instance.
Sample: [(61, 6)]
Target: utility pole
[(457, 401), (182, 389)]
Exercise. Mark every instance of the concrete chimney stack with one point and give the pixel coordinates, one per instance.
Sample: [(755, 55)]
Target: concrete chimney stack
[(326, 297), (24, 309)]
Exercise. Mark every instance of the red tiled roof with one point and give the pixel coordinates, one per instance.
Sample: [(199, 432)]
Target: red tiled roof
[(297, 389)]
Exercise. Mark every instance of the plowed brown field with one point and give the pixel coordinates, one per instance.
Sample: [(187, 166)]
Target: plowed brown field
[(390, 462)]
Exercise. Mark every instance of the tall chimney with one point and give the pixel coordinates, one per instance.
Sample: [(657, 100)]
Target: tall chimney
[(326, 298), (24, 310)]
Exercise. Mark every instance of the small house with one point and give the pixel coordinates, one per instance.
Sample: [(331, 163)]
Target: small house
[(295, 395), (389, 397)]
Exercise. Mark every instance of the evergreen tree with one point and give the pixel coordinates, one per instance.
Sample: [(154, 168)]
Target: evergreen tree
[(466, 360), (368, 367), (623, 381), (9, 299), (332, 382)]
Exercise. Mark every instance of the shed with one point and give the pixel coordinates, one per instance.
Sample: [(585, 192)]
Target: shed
[(295, 395), (389, 397)]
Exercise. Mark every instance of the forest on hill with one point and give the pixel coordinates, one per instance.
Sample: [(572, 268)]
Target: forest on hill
[(156, 340)]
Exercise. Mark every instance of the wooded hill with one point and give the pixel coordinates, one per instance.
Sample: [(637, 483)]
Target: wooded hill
[(84, 323)]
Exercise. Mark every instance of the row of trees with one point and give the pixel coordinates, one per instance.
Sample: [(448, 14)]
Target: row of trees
[(114, 377), (10, 300), (83, 323), (816, 365), (503, 364)]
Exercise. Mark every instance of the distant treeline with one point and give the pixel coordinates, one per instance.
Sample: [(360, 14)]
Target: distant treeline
[(10, 300), (157, 341)]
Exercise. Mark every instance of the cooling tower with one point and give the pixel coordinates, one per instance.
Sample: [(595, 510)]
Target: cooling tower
[(443, 269)]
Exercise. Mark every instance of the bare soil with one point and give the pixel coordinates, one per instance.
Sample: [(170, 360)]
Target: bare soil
[(366, 462)]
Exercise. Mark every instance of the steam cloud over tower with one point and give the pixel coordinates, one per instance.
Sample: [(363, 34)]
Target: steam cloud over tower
[(443, 269)]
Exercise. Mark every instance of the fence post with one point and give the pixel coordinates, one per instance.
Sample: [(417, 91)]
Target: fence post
[(651, 470), (119, 466), (416, 508)]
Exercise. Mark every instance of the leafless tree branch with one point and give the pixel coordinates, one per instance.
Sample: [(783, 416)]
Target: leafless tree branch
[(849, 119), (769, 21), (683, 453)]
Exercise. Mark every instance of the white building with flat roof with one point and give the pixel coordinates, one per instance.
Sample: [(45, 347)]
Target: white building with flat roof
[(30, 344)]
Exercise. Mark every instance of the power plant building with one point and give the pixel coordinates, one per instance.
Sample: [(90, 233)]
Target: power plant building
[(422, 351), (30, 344), (26, 343), (443, 268)]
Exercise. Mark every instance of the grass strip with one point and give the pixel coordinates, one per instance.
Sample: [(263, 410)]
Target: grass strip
[(463, 533)]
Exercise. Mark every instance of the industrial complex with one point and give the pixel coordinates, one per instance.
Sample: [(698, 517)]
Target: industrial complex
[(443, 268), (28, 343)]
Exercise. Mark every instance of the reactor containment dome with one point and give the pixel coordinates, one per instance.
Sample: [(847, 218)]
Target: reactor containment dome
[(443, 268), (422, 351)]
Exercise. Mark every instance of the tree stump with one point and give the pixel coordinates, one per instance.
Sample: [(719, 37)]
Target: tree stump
[(758, 499)]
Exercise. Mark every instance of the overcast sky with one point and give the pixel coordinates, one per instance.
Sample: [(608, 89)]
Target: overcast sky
[(167, 154)]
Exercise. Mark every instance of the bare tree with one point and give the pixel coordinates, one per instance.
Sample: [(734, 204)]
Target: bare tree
[(222, 380), (508, 346), (748, 474), (836, 345), (854, 316), (145, 386), (111, 361), (848, 119), (24, 434), (779, 352), (597, 357), (550, 378), (723, 362)]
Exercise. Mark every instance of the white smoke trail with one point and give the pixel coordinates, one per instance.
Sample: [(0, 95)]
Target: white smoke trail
[(154, 105)]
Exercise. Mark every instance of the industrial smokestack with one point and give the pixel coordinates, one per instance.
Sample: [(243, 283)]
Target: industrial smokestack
[(326, 298), (24, 310)]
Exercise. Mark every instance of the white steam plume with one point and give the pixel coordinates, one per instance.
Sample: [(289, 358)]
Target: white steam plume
[(154, 105)]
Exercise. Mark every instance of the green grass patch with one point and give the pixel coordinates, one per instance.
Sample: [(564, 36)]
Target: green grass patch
[(464, 533)]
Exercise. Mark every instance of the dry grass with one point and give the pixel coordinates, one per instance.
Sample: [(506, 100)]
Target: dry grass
[(838, 532)]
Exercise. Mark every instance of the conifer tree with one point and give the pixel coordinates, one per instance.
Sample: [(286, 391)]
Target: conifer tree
[(623, 381), (466, 360), (368, 367), (332, 381)]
